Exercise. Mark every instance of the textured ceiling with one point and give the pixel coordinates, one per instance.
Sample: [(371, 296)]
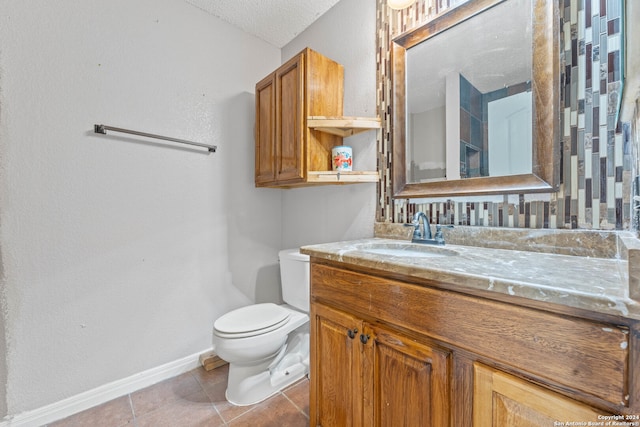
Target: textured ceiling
[(275, 21)]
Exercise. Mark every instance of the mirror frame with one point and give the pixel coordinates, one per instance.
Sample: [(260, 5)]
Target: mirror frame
[(545, 86)]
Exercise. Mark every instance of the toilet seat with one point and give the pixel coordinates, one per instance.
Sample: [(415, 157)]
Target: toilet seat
[(251, 320)]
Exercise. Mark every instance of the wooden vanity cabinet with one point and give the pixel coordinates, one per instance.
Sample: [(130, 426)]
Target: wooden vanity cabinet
[(368, 375), (424, 355), (406, 382), (337, 360), (500, 399), (309, 84)]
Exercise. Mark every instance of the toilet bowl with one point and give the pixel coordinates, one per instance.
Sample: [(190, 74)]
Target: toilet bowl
[(267, 345)]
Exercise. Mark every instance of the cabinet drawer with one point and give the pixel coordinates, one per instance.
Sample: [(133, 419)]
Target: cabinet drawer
[(586, 356)]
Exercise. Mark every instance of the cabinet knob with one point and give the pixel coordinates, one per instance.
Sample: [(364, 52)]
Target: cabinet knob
[(364, 338), (352, 333)]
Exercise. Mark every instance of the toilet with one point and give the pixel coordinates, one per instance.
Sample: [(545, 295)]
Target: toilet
[(267, 345)]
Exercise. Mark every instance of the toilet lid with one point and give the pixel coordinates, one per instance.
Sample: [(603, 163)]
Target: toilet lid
[(252, 320)]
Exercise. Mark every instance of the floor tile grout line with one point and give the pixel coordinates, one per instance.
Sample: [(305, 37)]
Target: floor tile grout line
[(242, 414), (133, 411), (255, 405), (182, 398), (295, 406), (205, 390), (215, 408), (211, 399), (224, 420)]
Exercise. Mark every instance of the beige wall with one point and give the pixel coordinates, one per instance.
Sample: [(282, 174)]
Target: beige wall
[(119, 252), (346, 34)]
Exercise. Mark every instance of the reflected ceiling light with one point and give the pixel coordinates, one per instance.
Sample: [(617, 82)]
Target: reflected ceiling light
[(399, 4)]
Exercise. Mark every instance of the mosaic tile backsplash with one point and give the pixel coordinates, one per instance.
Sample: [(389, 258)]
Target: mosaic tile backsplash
[(597, 152)]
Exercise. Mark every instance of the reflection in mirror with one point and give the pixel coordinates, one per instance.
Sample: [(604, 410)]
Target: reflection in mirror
[(468, 98), (479, 77)]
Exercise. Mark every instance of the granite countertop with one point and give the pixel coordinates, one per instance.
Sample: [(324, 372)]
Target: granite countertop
[(594, 284)]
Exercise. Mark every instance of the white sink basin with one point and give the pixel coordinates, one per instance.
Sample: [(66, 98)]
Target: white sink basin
[(409, 250)]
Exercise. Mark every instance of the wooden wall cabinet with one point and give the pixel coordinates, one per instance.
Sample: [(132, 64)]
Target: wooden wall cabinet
[(422, 355), (289, 152)]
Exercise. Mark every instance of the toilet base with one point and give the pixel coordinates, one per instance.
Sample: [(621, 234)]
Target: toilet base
[(248, 385)]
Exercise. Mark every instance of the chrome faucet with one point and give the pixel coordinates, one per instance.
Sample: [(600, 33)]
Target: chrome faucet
[(425, 232), (423, 235)]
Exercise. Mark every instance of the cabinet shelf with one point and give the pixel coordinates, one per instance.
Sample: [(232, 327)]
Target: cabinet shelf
[(341, 125), (336, 177)]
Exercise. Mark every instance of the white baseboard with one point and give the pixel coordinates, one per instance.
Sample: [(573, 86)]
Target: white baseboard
[(80, 402)]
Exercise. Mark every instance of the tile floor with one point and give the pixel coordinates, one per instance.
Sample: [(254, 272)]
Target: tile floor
[(195, 398)]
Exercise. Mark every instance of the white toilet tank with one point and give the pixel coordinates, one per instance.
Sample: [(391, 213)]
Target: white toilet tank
[(294, 274)]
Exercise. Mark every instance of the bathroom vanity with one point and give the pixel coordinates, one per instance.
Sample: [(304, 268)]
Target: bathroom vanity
[(469, 336)]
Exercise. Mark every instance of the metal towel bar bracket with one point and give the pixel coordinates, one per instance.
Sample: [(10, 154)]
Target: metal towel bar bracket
[(103, 130)]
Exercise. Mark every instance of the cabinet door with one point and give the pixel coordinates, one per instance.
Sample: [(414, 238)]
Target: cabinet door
[(290, 120), (500, 399), (336, 383), (265, 164), (406, 383)]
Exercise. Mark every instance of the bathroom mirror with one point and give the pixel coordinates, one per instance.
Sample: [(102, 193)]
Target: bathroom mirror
[(475, 102)]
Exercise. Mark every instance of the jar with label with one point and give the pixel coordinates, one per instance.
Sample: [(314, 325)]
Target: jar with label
[(342, 158)]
